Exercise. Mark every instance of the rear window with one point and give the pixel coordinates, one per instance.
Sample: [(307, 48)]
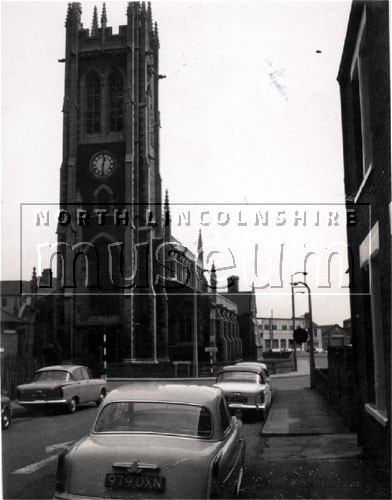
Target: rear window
[(50, 375), (155, 417), (238, 377)]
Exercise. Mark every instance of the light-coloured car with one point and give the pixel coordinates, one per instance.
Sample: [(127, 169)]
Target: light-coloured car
[(157, 440), (256, 364), (245, 388), (61, 386)]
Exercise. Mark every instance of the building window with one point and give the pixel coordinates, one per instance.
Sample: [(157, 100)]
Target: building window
[(371, 269), (93, 112), (275, 344), (283, 344), (116, 91), (274, 327), (267, 344), (361, 108), (315, 332), (284, 327), (266, 327)]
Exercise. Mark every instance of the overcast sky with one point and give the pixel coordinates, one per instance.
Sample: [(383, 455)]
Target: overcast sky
[(250, 117)]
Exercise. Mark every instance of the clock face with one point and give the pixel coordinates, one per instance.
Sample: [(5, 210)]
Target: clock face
[(102, 164)]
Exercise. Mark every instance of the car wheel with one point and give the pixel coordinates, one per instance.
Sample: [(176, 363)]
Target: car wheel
[(6, 419), (101, 397), (72, 406), (238, 484)]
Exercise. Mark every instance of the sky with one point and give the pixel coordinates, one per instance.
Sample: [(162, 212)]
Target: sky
[(251, 147)]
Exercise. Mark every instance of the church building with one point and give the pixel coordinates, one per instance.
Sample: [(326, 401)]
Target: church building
[(120, 274)]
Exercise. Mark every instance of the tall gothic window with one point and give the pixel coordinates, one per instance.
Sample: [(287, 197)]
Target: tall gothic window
[(93, 112), (116, 102)]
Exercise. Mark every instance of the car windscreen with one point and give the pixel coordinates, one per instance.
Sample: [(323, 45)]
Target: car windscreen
[(237, 376), (50, 375), (155, 417)]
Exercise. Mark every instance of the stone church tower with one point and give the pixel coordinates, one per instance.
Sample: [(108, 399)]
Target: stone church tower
[(110, 179)]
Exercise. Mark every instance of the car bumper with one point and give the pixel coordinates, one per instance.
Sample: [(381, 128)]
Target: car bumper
[(248, 406), (43, 402)]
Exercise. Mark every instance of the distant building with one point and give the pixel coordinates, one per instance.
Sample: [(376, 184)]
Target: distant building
[(334, 336), (278, 333), (364, 79), (247, 317)]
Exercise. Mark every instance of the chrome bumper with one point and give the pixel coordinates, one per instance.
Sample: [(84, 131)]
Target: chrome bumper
[(246, 406), (43, 402)]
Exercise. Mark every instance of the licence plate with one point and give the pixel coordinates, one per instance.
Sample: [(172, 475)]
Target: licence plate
[(134, 482), (39, 395), (236, 399)]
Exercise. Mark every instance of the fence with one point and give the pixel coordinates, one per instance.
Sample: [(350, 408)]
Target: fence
[(15, 371)]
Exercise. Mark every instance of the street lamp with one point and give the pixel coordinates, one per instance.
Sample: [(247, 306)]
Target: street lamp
[(294, 343), (304, 273), (311, 353)]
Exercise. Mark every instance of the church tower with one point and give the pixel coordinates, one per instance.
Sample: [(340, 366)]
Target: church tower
[(110, 179)]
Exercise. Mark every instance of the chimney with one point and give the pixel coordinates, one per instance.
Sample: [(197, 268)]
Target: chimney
[(233, 284)]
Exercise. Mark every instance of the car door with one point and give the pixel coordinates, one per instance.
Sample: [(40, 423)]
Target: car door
[(80, 388), (232, 450), (91, 385)]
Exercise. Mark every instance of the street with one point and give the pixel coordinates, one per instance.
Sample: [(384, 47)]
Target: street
[(323, 463)]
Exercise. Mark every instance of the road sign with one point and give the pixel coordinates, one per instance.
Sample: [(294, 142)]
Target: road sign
[(300, 335), (211, 349)]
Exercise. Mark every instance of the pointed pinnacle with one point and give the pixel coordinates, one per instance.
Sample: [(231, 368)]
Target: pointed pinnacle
[(166, 198), (94, 26), (131, 9), (200, 241), (149, 15), (104, 19)]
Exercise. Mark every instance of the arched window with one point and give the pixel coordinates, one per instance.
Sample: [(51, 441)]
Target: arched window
[(93, 109), (116, 91)]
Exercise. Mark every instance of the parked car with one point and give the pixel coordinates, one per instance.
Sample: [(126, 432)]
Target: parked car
[(153, 440), (5, 412), (263, 366), (246, 388), (61, 386)]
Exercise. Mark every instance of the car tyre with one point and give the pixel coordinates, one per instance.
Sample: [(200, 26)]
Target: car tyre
[(71, 408), (102, 396), (6, 419)]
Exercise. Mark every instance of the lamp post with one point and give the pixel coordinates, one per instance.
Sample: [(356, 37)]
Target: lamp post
[(311, 353), (304, 273), (294, 343)]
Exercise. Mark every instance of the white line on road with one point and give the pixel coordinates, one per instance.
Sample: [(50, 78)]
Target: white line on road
[(54, 447), (29, 469)]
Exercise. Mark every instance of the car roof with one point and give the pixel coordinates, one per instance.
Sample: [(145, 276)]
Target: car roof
[(201, 395), (64, 368), (252, 363), (239, 368)]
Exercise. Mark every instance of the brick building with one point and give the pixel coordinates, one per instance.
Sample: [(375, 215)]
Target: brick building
[(364, 79)]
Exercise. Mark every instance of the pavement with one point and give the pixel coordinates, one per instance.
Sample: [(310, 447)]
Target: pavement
[(307, 452)]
